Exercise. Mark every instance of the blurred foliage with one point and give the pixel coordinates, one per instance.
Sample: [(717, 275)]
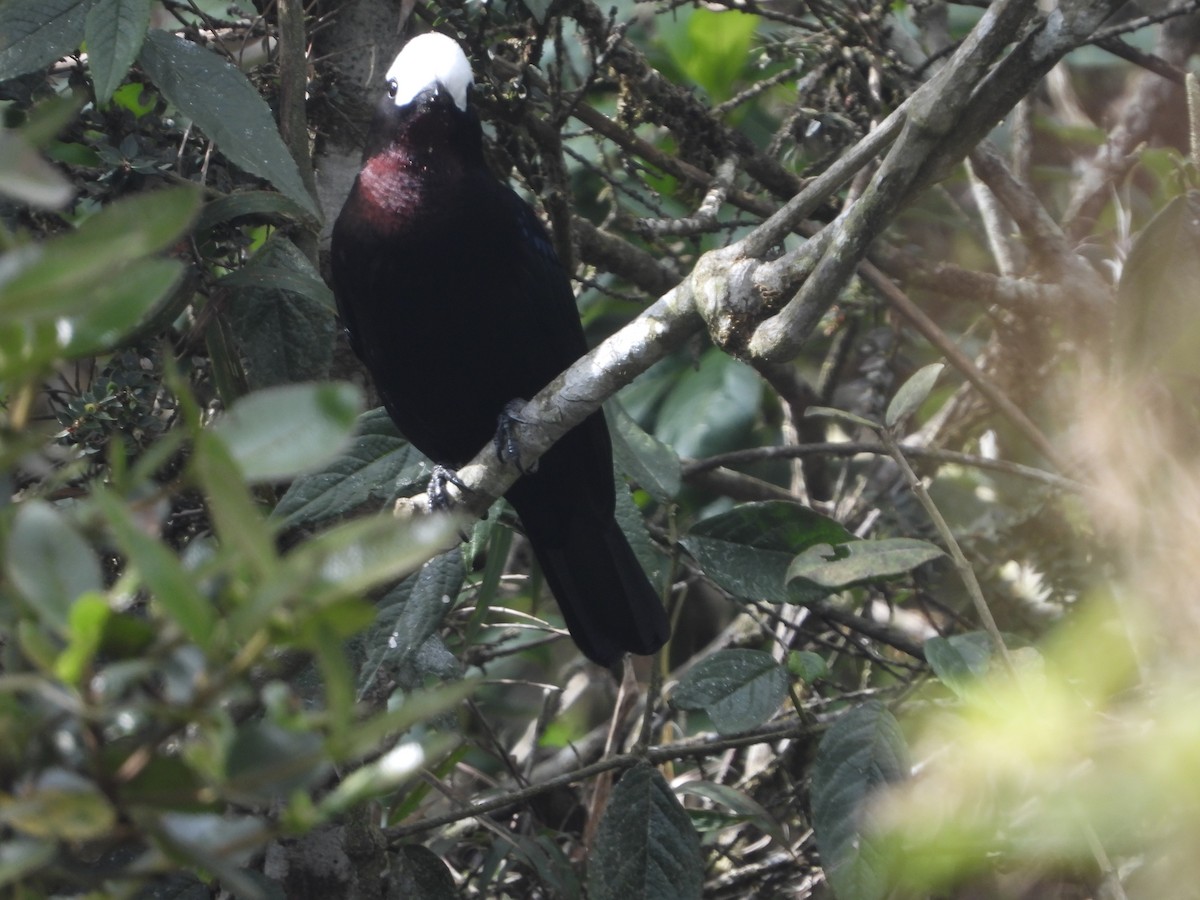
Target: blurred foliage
[(227, 669)]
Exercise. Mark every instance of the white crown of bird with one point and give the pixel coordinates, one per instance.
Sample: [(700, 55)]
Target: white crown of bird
[(430, 60)]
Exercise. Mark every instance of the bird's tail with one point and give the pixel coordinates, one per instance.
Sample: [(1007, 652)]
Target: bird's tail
[(605, 597)]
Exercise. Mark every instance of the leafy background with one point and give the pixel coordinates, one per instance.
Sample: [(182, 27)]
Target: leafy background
[(927, 547)]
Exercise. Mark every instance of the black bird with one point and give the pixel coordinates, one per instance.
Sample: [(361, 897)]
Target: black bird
[(455, 301)]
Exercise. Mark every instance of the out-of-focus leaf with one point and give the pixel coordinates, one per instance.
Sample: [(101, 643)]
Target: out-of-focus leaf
[(268, 762), (646, 845), (63, 276), (855, 562), (912, 394), (27, 178), (281, 316), (748, 549), (807, 666), (712, 47), (421, 875), (840, 415), (369, 470), (223, 103), (645, 459), (59, 804), (738, 689), (159, 569), (21, 856), (862, 752), (283, 431), (114, 30), (712, 409), (50, 563), (745, 807), (34, 33), (89, 616), (239, 522), (959, 660)]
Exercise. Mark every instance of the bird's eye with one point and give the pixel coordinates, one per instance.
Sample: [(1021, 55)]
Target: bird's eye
[(392, 88)]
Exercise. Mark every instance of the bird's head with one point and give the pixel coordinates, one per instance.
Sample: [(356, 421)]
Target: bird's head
[(426, 108)]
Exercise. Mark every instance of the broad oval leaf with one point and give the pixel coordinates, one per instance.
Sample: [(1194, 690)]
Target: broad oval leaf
[(912, 394), (266, 762), (855, 562), (222, 102), (28, 178), (747, 550), (646, 845), (738, 689), (959, 660), (370, 470), (34, 33), (60, 804), (862, 752), (643, 457), (50, 563), (283, 431), (729, 393), (114, 30)]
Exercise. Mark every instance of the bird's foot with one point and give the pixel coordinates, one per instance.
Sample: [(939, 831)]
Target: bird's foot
[(508, 448), (439, 498)]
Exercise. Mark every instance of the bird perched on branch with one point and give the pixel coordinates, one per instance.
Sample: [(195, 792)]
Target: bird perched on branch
[(457, 304)]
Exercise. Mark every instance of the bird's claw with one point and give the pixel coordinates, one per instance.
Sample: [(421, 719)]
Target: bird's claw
[(439, 497), (508, 448)]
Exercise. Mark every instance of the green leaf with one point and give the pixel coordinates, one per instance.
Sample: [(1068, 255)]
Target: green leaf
[(807, 666), (89, 617), (409, 616), (646, 460), (20, 857), (420, 874), (738, 689), (34, 33), (960, 660), (284, 431), (281, 316), (173, 587), (840, 415), (50, 563), (745, 807), (114, 30), (59, 804), (728, 391), (27, 178), (226, 107), (240, 523), (253, 204), (862, 752), (266, 762), (854, 562), (646, 845), (747, 550), (912, 394), (368, 471), (63, 276), (633, 526), (712, 48), (1157, 317)]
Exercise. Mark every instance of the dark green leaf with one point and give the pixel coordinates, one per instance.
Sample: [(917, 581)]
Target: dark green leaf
[(646, 845), (633, 524), (862, 752), (409, 617), (420, 875), (912, 394), (159, 569), (34, 33), (642, 457), (748, 549), (854, 562), (284, 431), (240, 523), (256, 204), (223, 103), (114, 30), (369, 471), (807, 666), (738, 689), (745, 807), (268, 762), (959, 660), (50, 563), (281, 316), (728, 392), (21, 856)]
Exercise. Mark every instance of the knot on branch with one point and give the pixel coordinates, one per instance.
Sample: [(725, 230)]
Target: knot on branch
[(730, 297)]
